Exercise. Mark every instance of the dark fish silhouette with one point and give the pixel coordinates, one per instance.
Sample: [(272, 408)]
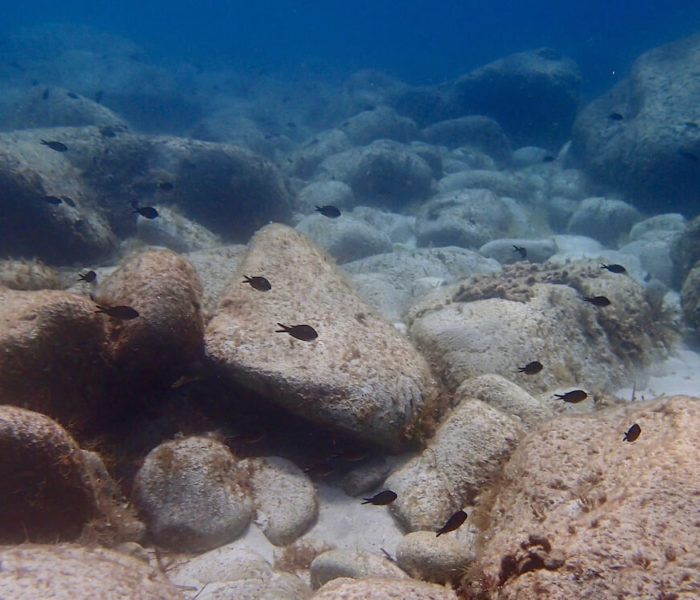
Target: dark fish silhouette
[(69, 201), (98, 96), (597, 300), (305, 333), (615, 116), (689, 155), (330, 211), (573, 396), (54, 145), (531, 368), (72, 95), (88, 277), (145, 211), (549, 158), (614, 268), (522, 252), (454, 522), (382, 498), (123, 313), (632, 433), (166, 186), (108, 131), (53, 200), (258, 283), (46, 93)]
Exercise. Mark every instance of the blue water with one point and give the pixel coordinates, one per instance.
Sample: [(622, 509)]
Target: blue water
[(419, 41)]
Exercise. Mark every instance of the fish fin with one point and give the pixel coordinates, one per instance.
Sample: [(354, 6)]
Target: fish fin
[(285, 328)]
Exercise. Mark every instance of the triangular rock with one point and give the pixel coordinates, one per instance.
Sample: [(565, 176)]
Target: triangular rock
[(359, 375)]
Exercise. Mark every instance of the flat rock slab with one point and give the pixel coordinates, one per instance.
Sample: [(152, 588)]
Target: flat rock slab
[(359, 375)]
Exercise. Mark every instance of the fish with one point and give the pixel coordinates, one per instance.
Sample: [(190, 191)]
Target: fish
[(98, 96), (597, 300), (123, 313), (291, 124), (53, 200), (614, 268), (531, 368), (88, 277), (632, 433), (258, 283), (147, 212), (305, 333), (688, 155), (46, 93), (573, 396), (548, 158), (520, 251), (54, 145), (166, 186), (72, 95), (69, 201), (108, 131), (330, 211), (381, 499), (615, 116), (454, 522)]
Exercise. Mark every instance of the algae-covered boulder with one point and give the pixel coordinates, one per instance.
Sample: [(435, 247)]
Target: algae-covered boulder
[(47, 494), (376, 588), (359, 375)]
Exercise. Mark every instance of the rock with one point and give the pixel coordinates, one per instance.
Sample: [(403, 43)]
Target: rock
[(529, 81), (515, 185), (381, 122), (399, 228), (355, 564), (191, 494), (530, 156), (360, 376), (448, 475), (686, 250), (69, 572), (603, 219), (280, 586), (651, 154), (174, 231), (48, 493), (321, 193), (654, 257), (576, 499), (232, 562), (382, 589), (345, 238), (384, 173), (154, 348), (28, 275), (468, 218), (438, 559), (659, 227), (494, 324), (66, 228), (690, 296), (304, 161), (506, 396), (504, 252), (52, 360), (475, 131), (366, 477), (284, 498)]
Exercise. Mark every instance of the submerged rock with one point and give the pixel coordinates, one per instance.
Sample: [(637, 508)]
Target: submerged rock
[(352, 563), (375, 588), (359, 375)]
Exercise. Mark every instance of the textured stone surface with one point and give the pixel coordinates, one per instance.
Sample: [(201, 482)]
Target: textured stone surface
[(464, 454), (603, 219), (284, 497), (46, 491), (190, 493), (68, 572), (690, 297), (439, 559), (474, 131), (355, 564), (359, 375), (383, 589), (583, 514)]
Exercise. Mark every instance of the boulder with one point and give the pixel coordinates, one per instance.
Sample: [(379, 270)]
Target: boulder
[(438, 559), (374, 588), (359, 375), (580, 513), (356, 564), (504, 251), (641, 138), (191, 494), (304, 161), (603, 219), (690, 296), (475, 131), (321, 193), (381, 122)]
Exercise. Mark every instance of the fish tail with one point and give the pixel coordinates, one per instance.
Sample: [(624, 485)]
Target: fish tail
[(439, 533), (285, 328), (367, 501)]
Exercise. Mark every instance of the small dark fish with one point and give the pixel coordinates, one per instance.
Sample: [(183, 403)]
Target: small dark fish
[(531, 368), (549, 158), (520, 250), (305, 333), (689, 155), (597, 300), (615, 116), (46, 93), (72, 95), (573, 396), (88, 277), (69, 201), (54, 145), (332, 212), (258, 283), (632, 433), (691, 124), (454, 522), (98, 96), (108, 131), (16, 65), (291, 124), (123, 313), (166, 186), (53, 200), (614, 268), (147, 212), (382, 498)]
